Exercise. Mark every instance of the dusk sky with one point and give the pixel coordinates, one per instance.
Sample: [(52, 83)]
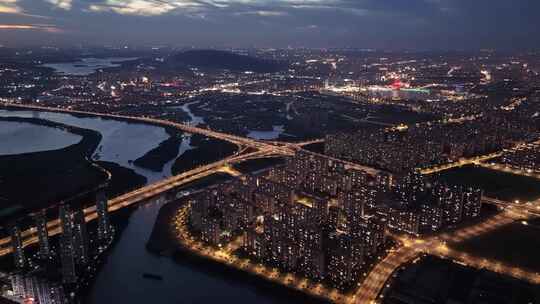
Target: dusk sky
[(386, 24)]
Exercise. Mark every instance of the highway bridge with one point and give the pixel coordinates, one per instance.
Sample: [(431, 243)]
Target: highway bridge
[(167, 186), (380, 274), (282, 148)]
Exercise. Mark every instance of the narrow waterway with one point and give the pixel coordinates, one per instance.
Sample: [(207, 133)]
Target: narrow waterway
[(267, 135), (120, 279), (122, 142), (194, 119)]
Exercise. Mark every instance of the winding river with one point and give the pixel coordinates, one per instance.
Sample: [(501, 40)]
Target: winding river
[(120, 279), (122, 142)]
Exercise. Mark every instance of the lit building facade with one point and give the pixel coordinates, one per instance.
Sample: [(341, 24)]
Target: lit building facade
[(40, 219), (18, 249), (104, 226), (309, 216)]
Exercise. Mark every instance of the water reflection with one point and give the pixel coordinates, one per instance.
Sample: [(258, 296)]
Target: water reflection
[(267, 135), (26, 138), (120, 279), (193, 119), (86, 66), (122, 142)]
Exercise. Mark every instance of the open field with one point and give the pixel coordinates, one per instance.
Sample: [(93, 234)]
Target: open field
[(516, 244), (496, 184)]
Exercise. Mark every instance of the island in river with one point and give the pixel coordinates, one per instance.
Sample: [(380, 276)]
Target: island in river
[(128, 258), (30, 180), (37, 180), (166, 151)]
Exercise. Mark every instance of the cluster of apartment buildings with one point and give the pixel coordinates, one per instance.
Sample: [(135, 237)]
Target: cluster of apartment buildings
[(37, 287), (415, 204), (73, 254), (316, 217), (526, 158), (401, 150)]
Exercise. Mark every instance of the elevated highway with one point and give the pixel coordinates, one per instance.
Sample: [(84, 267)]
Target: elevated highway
[(241, 141), (140, 195), (262, 150), (413, 248)]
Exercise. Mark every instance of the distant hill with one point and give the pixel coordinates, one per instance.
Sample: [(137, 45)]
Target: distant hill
[(222, 60)]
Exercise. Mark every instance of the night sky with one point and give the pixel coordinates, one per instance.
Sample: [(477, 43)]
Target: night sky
[(383, 24)]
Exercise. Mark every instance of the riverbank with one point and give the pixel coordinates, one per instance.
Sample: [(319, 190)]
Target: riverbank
[(163, 242), (120, 221), (30, 181), (166, 151), (268, 289), (205, 151), (40, 180), (79, 114), (122, 180)]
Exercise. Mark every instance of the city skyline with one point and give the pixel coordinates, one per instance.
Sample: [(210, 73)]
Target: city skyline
[(343, 151), (387, 24)]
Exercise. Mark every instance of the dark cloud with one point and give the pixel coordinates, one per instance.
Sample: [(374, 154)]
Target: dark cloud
[(411, 24)]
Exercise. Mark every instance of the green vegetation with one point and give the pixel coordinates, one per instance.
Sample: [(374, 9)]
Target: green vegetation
[(162, 240), (167, 150), (215, 59), (36, 180), (33, 181), (254, 165), (317, 148), (122, 180), (208, 150), (496, 184)]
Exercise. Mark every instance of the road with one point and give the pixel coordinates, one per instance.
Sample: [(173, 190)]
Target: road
[(350, 165), (461, 163), (413, 248), (227, 256), (263, 149), (141, 194), (510, 169), (379, 275), (480, 161), (241, 141), (369, 291)]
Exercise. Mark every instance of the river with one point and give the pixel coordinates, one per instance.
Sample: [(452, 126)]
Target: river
[(194, 119), (267, 135), (260, 135), (86, 66), (122, 142), (27, 138), (120, 279)]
